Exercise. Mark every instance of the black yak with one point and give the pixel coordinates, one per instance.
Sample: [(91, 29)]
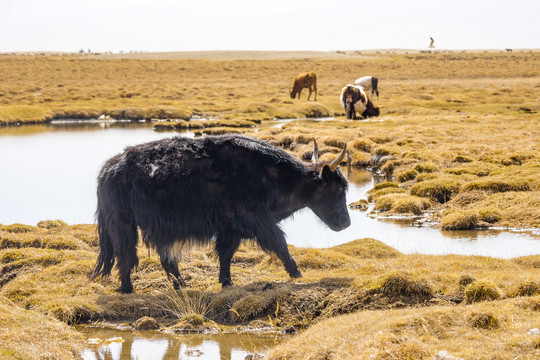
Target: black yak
[(306, 80), (354, 99), (225, 189)]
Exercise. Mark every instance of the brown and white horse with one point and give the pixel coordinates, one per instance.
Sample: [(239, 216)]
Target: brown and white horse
[(305, 80)]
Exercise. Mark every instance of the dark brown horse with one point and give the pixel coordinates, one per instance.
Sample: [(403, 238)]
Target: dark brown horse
[(305, 80)]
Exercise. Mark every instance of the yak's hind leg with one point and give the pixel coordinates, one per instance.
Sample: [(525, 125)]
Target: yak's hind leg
[(125, 249), (226, 246), (169, 261)]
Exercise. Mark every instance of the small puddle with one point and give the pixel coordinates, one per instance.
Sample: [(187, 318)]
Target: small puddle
[(153, 345)]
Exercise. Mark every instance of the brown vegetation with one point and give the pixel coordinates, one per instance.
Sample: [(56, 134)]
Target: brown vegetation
[(45, 284), (458, 134)]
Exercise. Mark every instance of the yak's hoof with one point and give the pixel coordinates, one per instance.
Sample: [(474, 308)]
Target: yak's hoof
[(125, 289), (226, 283), (178, 283), (296, 274)]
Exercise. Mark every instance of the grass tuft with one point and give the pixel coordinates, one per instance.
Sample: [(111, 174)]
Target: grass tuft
[(481, 291), (402, 285), (51, 224), (441, 190), (459, 220), (486, 321), (401, 204)]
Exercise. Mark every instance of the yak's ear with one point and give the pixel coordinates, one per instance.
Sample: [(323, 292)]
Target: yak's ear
[(325, 171)]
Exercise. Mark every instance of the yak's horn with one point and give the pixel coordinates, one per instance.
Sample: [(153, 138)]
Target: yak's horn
[(334, 164), (315, 156)]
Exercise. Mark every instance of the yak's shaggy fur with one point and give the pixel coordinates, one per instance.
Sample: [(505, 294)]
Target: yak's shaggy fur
[(223, 189)]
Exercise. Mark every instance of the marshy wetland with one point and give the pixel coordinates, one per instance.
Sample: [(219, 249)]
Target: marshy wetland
[(457, 141)]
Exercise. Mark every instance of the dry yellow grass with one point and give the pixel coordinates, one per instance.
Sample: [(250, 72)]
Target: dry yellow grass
[(458, 130), (482, 331), (358, 277), (27, 334)]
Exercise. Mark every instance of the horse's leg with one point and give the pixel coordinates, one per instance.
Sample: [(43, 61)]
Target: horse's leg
[(299, 92), (309, 88), (315, 88)]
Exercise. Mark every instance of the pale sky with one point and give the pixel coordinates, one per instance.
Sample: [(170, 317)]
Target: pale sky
[(180, 25)]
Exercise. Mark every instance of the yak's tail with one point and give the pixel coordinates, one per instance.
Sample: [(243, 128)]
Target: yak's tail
[(105, 261)]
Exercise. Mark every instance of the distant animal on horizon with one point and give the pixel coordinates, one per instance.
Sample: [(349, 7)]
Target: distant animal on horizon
[(217, 189), (354, 99), (508, 50), (432, 43), (370, 83), (305, 80)]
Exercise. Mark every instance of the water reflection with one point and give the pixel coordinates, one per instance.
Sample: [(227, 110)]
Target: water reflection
[(148, 345), (49, 172)]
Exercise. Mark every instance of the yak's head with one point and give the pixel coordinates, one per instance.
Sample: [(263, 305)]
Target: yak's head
[(371, 109), (329, 201)]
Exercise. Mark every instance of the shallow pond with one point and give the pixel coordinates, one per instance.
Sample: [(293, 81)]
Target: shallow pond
[(49, 172), (152, 345)]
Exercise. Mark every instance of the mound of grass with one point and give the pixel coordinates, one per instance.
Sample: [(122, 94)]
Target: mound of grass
[(361, 204), (146, 323), (489, 214), (478, 168), (459, 220), (426, 167), (373, 195), (251, 306), (362, 144), (18, 228), (465, 280), (528, 288), (396, 285), (311, 258), (462, 159), (486, 321), (439, 189), (406, 175), (401, 204), (51, 224), (498, 185), (27, 334), (366, 249), (481, 291), (223, 302), (385, 184)]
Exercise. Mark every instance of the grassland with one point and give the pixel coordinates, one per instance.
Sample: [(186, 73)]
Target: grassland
[(458, 133), (386, 303)]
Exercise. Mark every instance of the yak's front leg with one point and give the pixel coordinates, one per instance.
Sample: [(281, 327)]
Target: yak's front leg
[(226, 246), (274, 241)]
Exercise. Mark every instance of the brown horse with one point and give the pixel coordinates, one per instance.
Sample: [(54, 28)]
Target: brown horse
[(305, 80)]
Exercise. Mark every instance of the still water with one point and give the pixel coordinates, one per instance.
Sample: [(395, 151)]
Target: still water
[(49, 172), (152, 345)]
